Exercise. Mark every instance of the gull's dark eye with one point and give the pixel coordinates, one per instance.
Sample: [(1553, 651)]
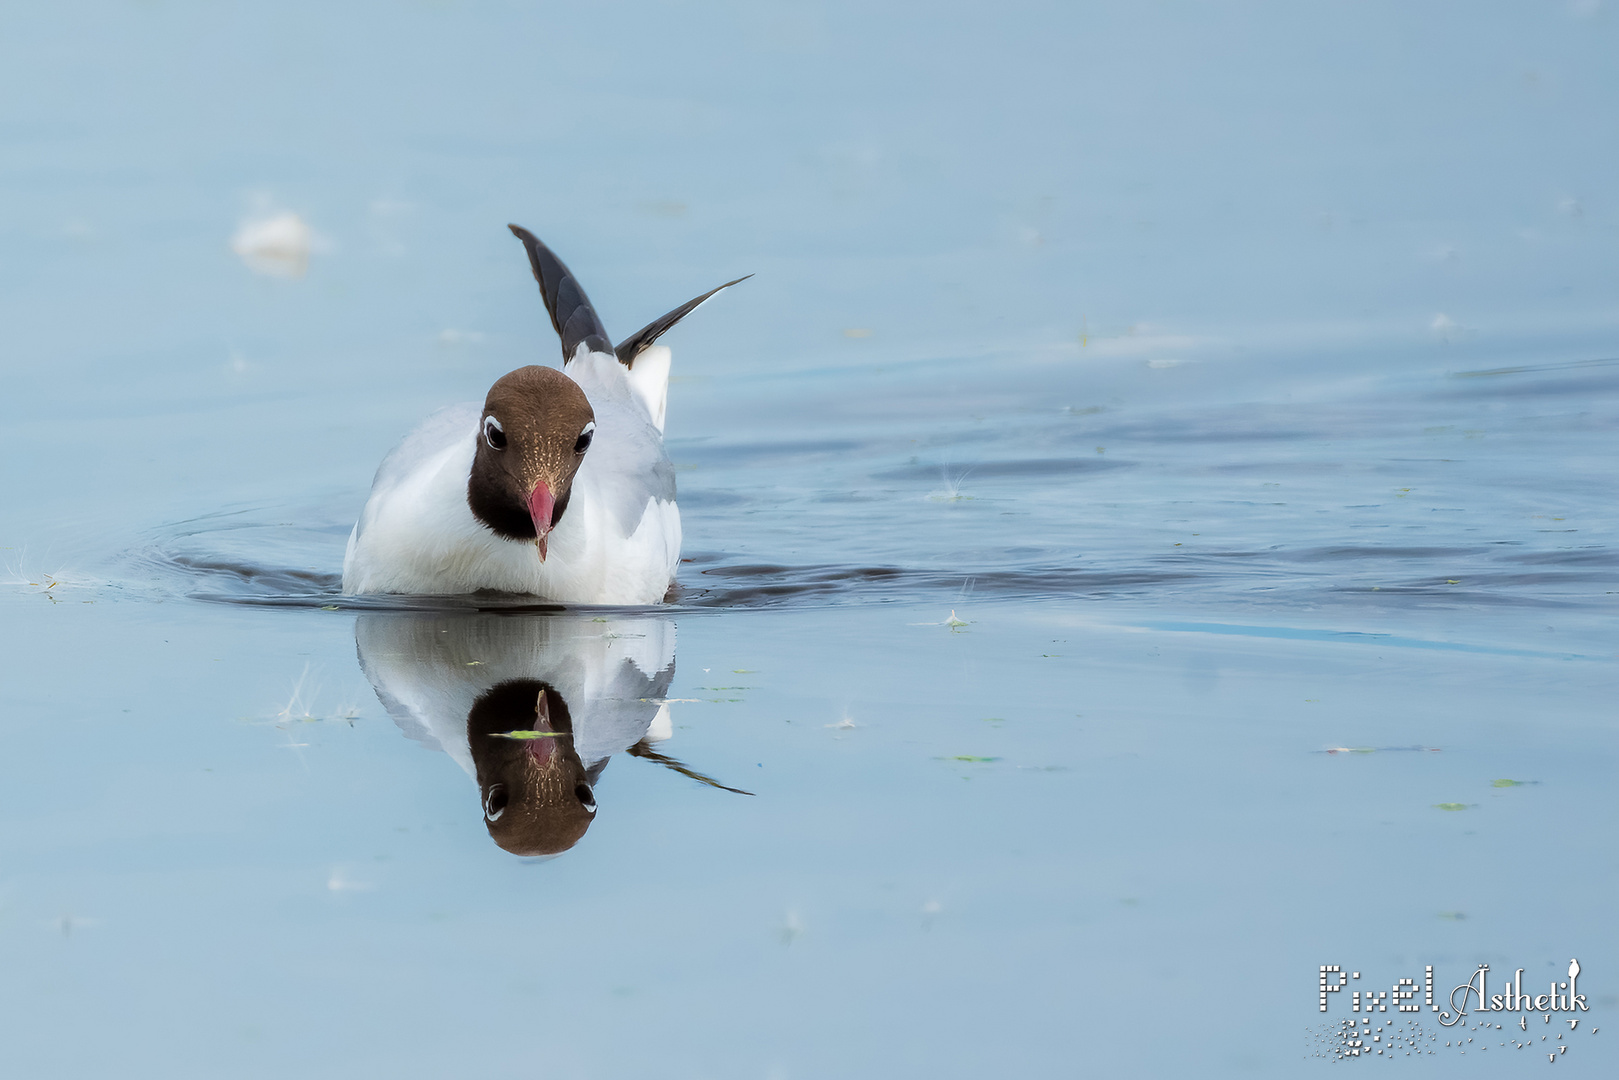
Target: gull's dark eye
[(583, 793), (493, 433), (583, 442), (494, 802)]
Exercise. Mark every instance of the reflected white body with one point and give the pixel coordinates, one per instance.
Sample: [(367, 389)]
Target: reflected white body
[(429, 670), (617, 543)]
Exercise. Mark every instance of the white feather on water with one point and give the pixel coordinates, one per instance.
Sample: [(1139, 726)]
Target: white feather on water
[(278, 244)]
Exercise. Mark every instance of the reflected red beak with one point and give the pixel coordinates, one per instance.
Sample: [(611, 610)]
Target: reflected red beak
[(540, 507)]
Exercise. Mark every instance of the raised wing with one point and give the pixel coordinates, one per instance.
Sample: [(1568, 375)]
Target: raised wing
[(631, 346), (574, 320)]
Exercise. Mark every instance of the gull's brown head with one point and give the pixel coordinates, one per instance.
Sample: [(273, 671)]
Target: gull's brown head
[(533, 435), (537, 798)]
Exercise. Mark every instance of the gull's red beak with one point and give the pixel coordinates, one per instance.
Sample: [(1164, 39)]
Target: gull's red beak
[(541, 505)]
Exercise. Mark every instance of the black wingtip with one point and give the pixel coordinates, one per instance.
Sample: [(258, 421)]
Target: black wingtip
[(643, 749), (631, 346), (572, 317)]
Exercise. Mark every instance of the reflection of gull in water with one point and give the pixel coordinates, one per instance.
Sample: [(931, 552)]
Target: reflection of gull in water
[(530, 706)]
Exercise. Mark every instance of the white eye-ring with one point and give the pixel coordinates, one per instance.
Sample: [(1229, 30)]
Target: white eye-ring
[(493, 433), (583, 442)]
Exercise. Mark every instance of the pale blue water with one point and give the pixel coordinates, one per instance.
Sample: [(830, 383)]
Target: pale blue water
[(1135, 413)]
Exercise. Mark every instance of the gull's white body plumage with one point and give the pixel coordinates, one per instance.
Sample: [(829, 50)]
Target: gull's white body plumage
[(617, 543)]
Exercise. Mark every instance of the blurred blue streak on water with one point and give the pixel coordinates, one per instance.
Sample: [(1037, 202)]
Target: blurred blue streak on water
[(1130, 404)]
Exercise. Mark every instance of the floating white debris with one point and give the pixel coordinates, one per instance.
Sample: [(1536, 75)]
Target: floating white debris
[(339, 881), (278, 245), (1446, 329)]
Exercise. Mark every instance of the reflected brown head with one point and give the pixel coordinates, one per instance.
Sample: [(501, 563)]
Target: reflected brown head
[(534, 432), (536, 797)]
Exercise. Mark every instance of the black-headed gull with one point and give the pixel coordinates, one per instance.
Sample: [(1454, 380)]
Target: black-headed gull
[(531, 708), (558, 486)]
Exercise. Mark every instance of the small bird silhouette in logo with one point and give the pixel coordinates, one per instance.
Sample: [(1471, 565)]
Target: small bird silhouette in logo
[(1573, 969)]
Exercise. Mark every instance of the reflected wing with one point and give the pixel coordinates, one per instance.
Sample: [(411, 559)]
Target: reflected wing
[(643, 749)]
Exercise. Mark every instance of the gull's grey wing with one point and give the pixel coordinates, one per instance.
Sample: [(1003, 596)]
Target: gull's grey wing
[(627, 464), (574, 320), (631, 346), (426, 439), (429, 438)]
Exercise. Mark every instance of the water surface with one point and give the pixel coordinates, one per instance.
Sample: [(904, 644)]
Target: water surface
[(1150, 533)]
